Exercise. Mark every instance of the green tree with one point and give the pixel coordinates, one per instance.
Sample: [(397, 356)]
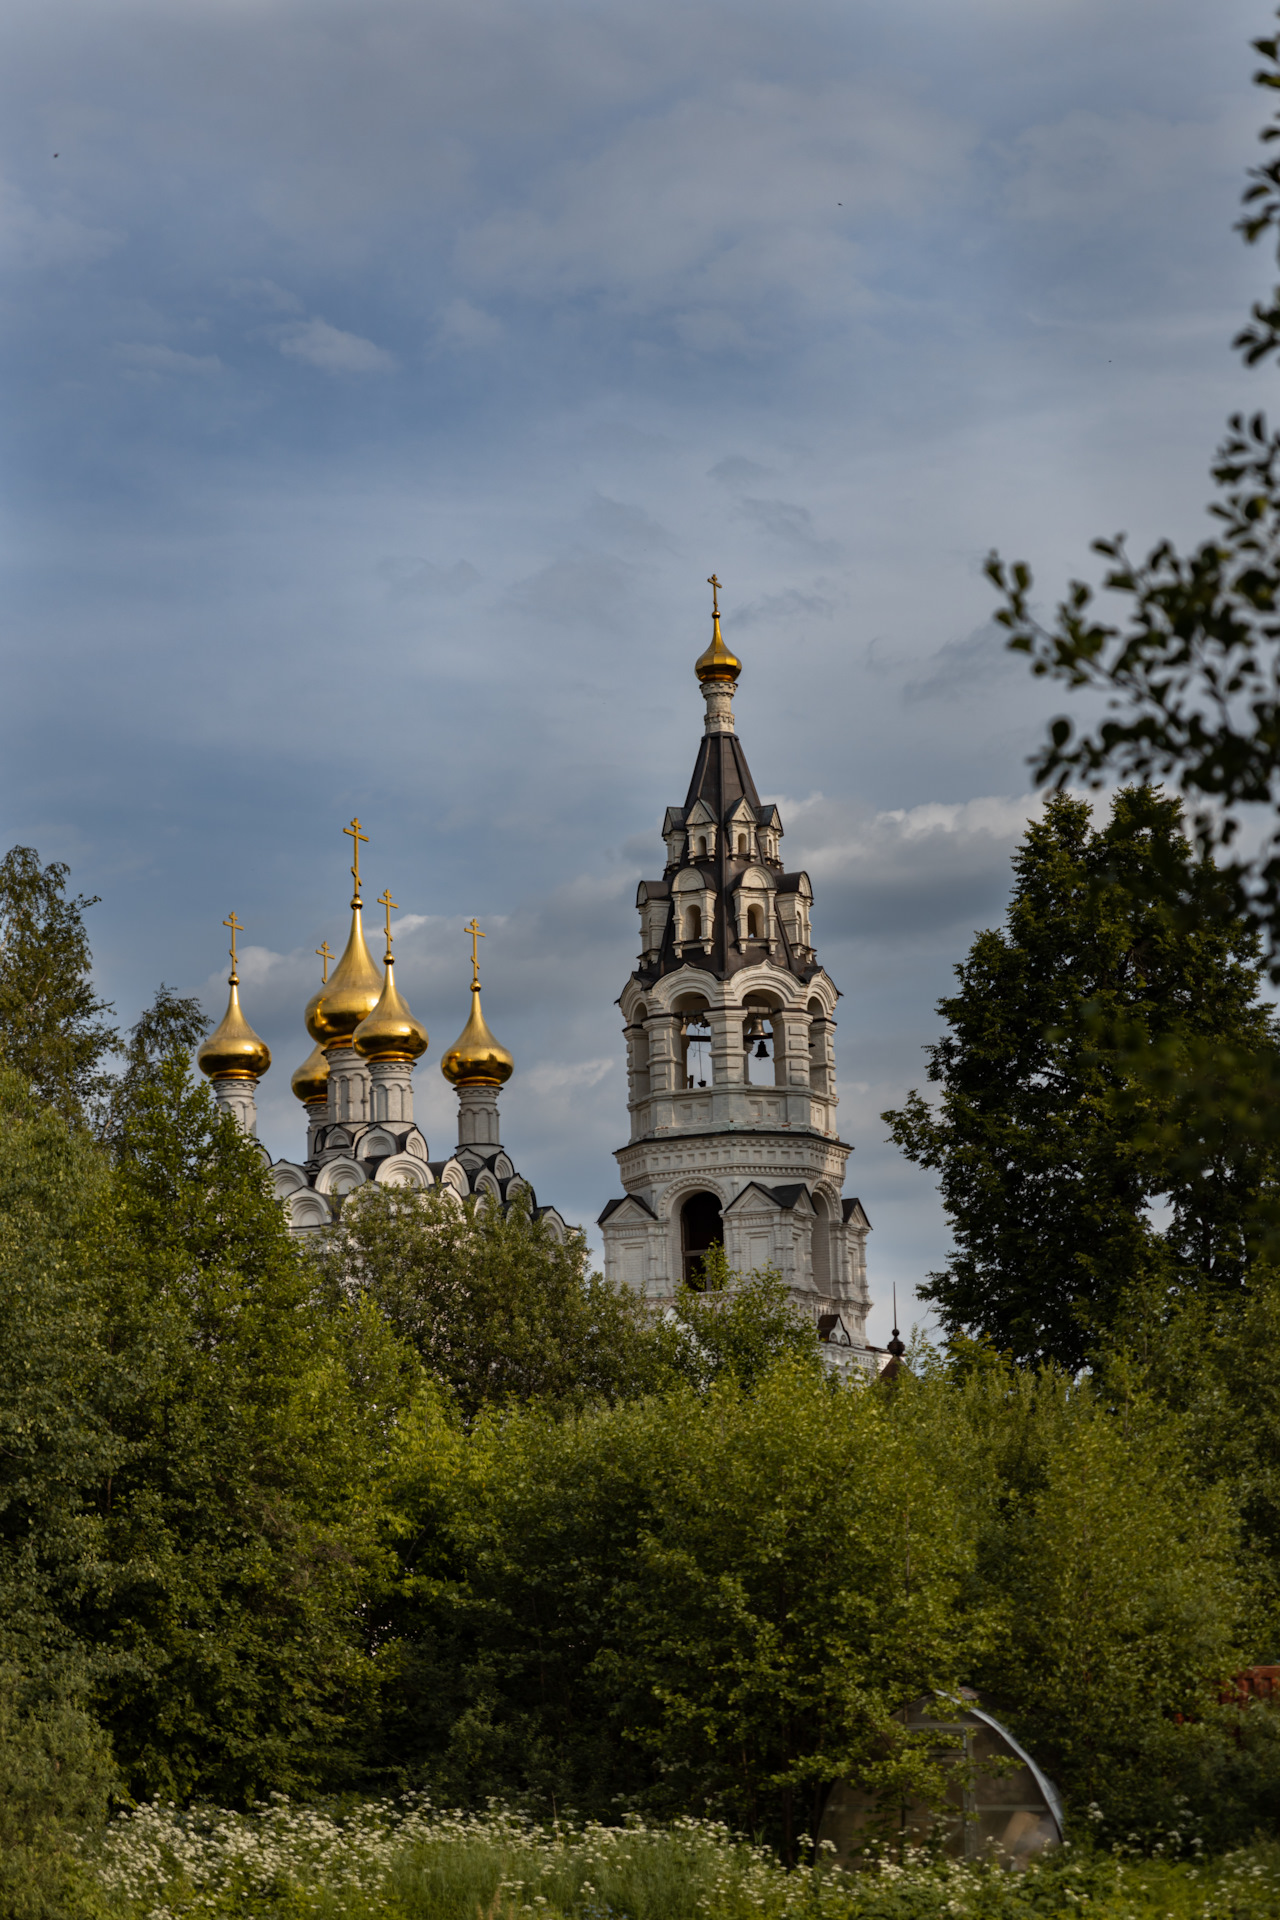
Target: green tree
[(1048, 1144), (243, 1521), (498, 1309), (708, 1602), (1190, 674), (51, 1026)]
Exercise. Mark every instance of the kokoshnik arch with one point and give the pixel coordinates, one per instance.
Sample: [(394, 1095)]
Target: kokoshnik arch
[(728, 1016)]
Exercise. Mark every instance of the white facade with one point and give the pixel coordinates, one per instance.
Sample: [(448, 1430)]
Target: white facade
[(724, 1144)]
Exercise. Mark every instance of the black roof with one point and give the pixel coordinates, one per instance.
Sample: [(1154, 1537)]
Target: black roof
[(722, 782)]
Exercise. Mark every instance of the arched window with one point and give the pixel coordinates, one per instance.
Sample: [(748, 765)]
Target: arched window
[(701, 1228), (700, 847), (742, 843), (693, 923), (755, 924)]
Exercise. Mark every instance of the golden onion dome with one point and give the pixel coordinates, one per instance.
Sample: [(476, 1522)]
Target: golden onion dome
[(390, 1032), (311, 1080), (350, 994), (476, 1059), (717, 663), (233, 1050)]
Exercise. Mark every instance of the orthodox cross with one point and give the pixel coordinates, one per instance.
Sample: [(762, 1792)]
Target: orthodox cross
[(236, 928), (385, 900), (326, 955), (714, 585), (356, 838), (476, 934)]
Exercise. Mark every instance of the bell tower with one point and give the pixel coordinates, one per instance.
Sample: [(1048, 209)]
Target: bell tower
[(729, 1019)]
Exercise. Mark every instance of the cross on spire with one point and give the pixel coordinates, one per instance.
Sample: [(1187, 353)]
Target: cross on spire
[(356, 838), (385, 900), (714, 585), (236, 928), (325, 953), (476, 934)]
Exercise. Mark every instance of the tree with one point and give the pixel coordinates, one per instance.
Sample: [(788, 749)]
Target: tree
[(498, 1309), (51, 1029), (1192, 679), (692, 1602), (1049, 1147), (240, 1527)]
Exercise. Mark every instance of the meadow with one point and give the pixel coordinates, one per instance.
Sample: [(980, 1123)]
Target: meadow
[(404, 1860)]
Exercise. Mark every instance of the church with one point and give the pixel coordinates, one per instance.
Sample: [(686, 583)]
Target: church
[(728, 1019)]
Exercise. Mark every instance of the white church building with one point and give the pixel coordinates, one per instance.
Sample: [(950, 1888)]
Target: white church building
[(728, 1018)]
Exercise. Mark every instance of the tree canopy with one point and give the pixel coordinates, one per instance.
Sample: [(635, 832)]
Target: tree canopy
[(1046, 1137)]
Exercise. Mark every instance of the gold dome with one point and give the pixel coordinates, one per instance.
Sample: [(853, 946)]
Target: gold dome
[(351, 993), (233, 1050), (311, 1080), (717, 663), (476, 1059), (390, 1032)]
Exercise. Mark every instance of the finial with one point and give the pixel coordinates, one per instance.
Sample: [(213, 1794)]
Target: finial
[(325, 953), (385, 900), (474, 931), (717, 663), (897, 1346), (356, 838), (236, 928)]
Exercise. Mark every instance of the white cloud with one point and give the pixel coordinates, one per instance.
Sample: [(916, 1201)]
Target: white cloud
[(334, 351)]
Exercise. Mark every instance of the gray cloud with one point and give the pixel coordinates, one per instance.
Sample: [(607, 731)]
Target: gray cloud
[(913, 280)]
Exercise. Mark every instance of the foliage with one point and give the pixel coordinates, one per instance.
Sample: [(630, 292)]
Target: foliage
[(706, 1601), (1192, 678), (735, 1324), (170, 1028), (403, 1860), (497, 1308), (1049, 1143), (243, 1519), (51, 1030)]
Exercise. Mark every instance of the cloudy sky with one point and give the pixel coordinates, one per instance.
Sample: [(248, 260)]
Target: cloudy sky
[(385, 378)]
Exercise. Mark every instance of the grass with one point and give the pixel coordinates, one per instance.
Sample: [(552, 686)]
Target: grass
[(403, 1860)]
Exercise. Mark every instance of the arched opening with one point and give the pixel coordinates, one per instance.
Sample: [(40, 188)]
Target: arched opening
[(695, 1044), (693, 923), (700, 847), (742, 843), (755, 924), (759, 1042), (701, 1228)]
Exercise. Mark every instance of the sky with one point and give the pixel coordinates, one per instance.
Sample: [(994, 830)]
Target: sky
[(383, 381)]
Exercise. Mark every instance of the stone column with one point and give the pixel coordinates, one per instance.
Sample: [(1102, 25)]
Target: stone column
[(317, 1117), (391, 1091), (238, 1095), (664, 1053), (348, 1085), (478, 1124), (726, 1046)]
